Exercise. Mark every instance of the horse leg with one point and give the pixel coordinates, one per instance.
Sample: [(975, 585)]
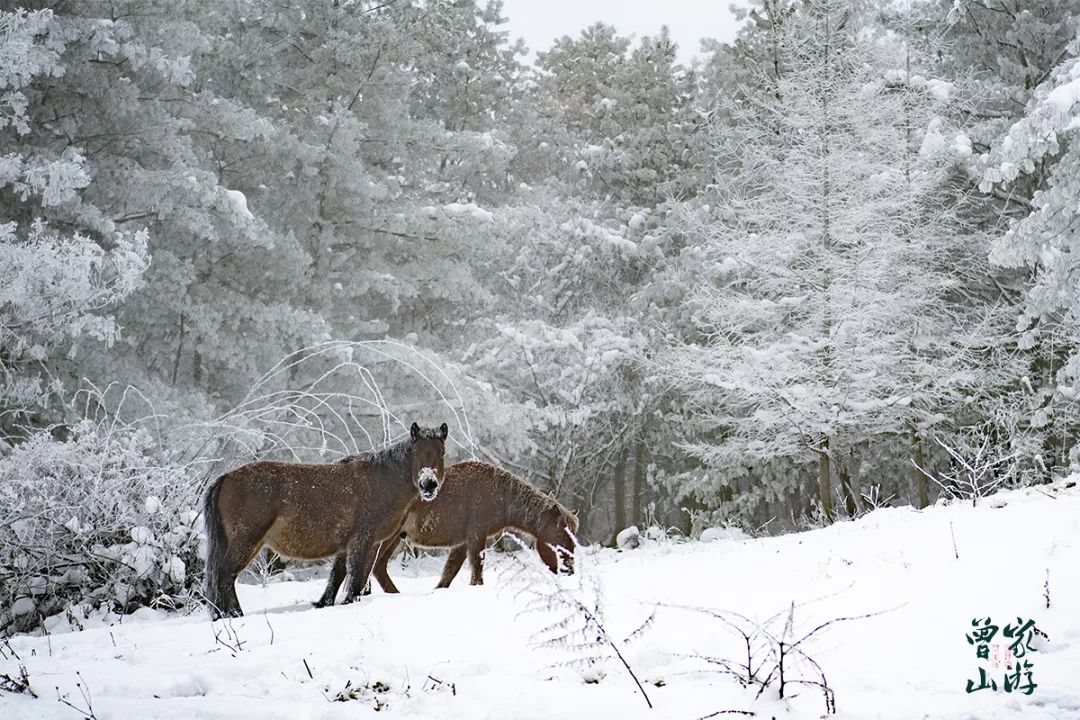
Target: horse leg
[(361, 557), (476, 561), (454, 561), (337, 574), (239, 555), (385, 553), (216, 592)]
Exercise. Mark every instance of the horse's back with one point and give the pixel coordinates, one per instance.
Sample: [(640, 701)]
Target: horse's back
[(288, 502)]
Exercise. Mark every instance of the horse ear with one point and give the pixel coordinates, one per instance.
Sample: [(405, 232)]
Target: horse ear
[(573, 519), (414, 431), (444, 430)]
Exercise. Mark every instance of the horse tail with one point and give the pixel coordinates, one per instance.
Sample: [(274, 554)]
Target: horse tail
[(217, 544)]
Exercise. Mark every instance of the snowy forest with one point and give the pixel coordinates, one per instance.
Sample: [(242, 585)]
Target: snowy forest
[(825, 268)]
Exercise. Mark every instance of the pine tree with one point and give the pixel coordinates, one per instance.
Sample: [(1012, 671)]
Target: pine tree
[(822, 306)]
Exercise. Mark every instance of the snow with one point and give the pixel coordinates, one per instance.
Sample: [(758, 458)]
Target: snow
[(962, 145), (467, 652), (1064, 96), (933, 142), (628, 537), (591, 151), (715, 534), (940, 89), (238, 201), (142, 535), (471, 210), (428, 474), (23, 606), (587, 229)]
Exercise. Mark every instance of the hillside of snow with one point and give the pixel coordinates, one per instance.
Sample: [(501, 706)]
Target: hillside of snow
[(475, 652)]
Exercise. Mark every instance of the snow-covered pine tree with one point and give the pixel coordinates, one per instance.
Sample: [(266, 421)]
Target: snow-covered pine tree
[(823, 309), (1045, 240), (65, 264), (997, 56)]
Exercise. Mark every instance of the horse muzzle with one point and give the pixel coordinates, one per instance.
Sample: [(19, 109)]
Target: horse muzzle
[(564, 562), (428, 484)]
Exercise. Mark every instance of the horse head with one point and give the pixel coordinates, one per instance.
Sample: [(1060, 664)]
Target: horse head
[(428, 448), (556, 538)]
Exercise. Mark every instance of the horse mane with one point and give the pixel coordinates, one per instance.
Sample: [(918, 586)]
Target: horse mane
[(397, 456), (531, 500)]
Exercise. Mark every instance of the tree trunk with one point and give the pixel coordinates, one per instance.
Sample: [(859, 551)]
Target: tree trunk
[(825, 481), (619, 479), (639, 482), (845, 487), (824, 465), (921, 486), (179, 350), (196, 365), (795, 501)]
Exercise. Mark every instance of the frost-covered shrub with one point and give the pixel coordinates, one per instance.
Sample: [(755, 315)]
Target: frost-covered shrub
[(97, 518)]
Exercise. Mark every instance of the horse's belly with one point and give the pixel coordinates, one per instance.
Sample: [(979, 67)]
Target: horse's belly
[(304, 540), (430, 529)]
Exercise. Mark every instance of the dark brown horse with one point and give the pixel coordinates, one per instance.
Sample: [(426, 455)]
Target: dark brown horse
[(314, 511), (479, 501)]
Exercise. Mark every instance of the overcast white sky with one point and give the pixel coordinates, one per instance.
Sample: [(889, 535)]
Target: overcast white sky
[(539, 22)]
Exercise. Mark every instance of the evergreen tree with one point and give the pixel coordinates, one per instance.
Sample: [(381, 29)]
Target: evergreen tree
[(822, 310)]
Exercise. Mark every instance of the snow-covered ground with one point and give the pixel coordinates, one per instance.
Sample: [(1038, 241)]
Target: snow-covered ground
[(470, 652)]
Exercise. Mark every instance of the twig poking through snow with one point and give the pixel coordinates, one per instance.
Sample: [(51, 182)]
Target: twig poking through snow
[(231, 639), (440, 683), (771, 657), (21, 684), (88, 713), (581, 627)]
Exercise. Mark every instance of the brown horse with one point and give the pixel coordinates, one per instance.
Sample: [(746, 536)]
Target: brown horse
[(314, 511), (477, 502)]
